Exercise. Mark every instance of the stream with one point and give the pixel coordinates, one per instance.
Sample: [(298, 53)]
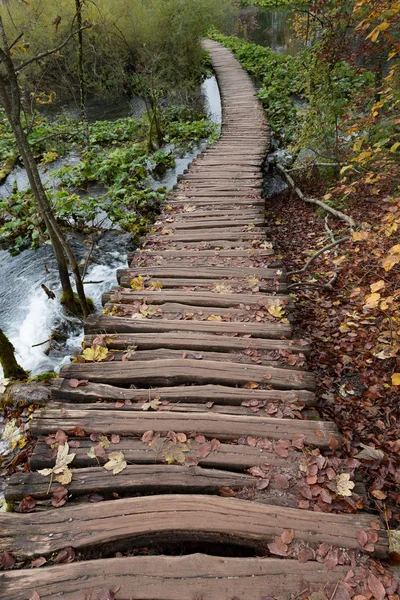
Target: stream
[(27, 316)]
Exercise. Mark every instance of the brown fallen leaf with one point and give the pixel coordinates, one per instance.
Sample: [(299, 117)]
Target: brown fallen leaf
[(115, 439), (376, 587), (38, 562), (287, 536), (362, 537), (61, 437), (379, 494), (7, 561), (282, 482), (59, 497), (305, 555), (65, 556), (27, 504), (251, 385), (226, 492), (74, 383), (147, 436), (35, 596), (257, 472), (281, 451), (262, 484), (94, 498)]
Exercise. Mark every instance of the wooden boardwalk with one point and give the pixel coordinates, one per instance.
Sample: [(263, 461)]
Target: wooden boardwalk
[(227, 485)]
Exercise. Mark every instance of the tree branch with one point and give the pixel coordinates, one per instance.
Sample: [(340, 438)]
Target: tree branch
[(314, 256), (333, 211), (49, 52)]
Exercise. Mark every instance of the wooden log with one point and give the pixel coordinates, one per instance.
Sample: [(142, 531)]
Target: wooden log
[(131, 521), (170, 577), (202, 273), (222, 427), (264, 286), (217, 394), (197, 341), (136, 479), (202, 298), (231, 234), (229, 457), (106, 324)]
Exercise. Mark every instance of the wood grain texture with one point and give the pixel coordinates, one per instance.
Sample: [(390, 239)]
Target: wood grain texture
[(178, 517), (170, 578)]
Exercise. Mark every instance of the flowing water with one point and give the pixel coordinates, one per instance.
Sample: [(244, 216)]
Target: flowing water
[(26, 314)]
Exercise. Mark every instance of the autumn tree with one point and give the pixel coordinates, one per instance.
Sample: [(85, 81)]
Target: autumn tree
[(10, 97)]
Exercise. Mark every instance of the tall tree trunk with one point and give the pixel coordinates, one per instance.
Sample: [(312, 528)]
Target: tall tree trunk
[(81, 72), (11, 368)]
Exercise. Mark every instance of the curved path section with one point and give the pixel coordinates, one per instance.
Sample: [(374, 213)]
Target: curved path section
[(203, 414)]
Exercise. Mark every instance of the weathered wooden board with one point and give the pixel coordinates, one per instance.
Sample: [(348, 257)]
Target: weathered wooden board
[(197, 298), (170, 578), (218, 394), (203, 273), (196, 342), (222, 427), (106, 324), (180, 518), (229, 457)]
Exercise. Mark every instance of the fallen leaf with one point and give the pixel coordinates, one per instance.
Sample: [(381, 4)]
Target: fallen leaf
[(95, 354), (362, 537), (251, 385), (65, 556), (276, 311), (287, 536), (27, 504), (396, 379), (38, 562), (379, 494), (94, 498), (305, 555), (153, 404), (226, 492), (74, 383), (376, 587), (35, 596), (7, 561), (60, 437), (59, 497), (257, 472), (61, 471), (370, 453), (344, 485), (148, 436), (116, 462), (214, 318), (115, 439)]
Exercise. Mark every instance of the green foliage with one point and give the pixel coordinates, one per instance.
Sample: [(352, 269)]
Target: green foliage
[(307, 100), (119, 160)]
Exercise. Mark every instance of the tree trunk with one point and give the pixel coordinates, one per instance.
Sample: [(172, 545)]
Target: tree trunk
[(11, 99), (11, 368), (81, 72)]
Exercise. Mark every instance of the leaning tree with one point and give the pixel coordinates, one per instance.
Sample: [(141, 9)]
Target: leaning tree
[(11, 100)]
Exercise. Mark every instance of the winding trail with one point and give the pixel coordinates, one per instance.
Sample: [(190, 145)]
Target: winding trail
[(205, 376)]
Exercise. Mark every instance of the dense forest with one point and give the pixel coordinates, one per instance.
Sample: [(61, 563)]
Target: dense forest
[(72, 183)]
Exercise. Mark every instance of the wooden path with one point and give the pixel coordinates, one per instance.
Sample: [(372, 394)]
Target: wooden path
[(226, 484)]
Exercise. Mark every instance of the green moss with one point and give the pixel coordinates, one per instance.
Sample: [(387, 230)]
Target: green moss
[(77, 311), (45, 376)]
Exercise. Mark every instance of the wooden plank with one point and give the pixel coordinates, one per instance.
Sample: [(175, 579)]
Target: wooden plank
[(250, 253), (234, 233), (136, 479), (198, 298), (231, 457), (222, 427), (216, 343), (262, 358), (217, 394), (170, 577), (224, 223), (176, 517), (203, 273), (106, 324), (240, 283)]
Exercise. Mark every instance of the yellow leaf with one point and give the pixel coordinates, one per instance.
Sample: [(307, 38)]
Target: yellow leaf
[(214, 318), (347, 167), (378, 285), (253, 280), (116, 462), (222, 288), (373, 36), (372, 300), (395, 249), (276, 311), (396, 379), (137, 283), (390, 261), (189, 208), (95, 354), (395, 147), (156, 285), (360, 236)]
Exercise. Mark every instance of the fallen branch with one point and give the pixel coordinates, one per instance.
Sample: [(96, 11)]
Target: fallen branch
[(333, 211), (324, 286), (314, 256), (41, 343)]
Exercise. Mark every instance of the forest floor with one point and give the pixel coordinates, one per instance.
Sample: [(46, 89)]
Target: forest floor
[(353, 333)]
